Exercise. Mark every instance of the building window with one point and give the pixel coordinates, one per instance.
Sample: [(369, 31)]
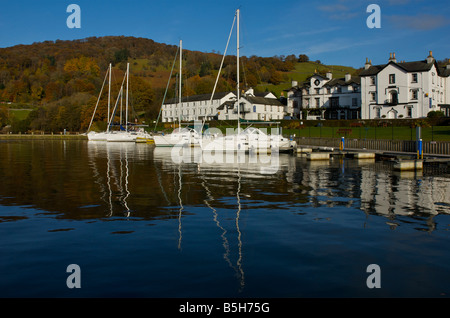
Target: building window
[(339, 89), (378, 112), (394, 97), (329, 90), (317, 102), (409, 112), (391, 78), (372, 80), (334, 102), (414, 78), (415, 94), (307, 102), (254, 108), (372, 96), (317, 90)]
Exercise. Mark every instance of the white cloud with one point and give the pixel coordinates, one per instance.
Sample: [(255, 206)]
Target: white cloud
[(299, 34), (422, 22), (398, 2), (333, 7), (342, 10)]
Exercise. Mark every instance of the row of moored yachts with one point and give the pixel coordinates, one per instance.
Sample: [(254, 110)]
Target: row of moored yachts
[(249, 139)]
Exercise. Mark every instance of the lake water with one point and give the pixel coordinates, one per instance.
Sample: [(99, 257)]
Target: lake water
[(139, 224)]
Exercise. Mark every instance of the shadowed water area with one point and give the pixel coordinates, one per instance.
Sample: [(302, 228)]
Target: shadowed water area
[(139, 224)]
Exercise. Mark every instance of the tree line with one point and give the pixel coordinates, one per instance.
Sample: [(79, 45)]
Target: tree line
[(61, 80)]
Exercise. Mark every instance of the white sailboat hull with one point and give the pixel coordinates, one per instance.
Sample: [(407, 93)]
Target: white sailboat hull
[(177, 139), (168, 141), (233, 143), (144, 137), (121, 136), (97, 136), (250, 140)]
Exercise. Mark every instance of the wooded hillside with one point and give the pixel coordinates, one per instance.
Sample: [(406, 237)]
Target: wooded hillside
[(60, 81)]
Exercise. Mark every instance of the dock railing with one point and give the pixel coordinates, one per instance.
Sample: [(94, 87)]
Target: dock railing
[(429, 147)]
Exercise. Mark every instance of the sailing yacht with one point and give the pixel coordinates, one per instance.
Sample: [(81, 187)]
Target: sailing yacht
[(121, 135), (251, 138), (180, 136), (100, 136)]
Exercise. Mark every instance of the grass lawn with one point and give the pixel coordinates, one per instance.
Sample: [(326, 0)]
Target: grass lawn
[(437, 133), (20, 114)]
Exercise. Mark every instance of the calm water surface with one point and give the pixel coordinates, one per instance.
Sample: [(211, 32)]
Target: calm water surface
[(140, 225)]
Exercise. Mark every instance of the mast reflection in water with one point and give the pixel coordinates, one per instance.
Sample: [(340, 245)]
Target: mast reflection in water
[(141, 225)]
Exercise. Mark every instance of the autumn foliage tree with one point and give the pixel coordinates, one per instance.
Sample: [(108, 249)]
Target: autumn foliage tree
[(61, 80)]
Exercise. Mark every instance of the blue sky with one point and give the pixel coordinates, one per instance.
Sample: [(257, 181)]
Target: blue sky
[(334, 32)]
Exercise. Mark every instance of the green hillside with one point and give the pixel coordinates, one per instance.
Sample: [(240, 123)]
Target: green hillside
[(61, 80)]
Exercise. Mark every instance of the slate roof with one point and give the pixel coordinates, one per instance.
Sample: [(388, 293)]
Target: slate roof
[(333, 82), (444, 71), (343, 82), (197, 98), (261, 94), (263, 101), (228, 104), (416, 66), (253, 100)]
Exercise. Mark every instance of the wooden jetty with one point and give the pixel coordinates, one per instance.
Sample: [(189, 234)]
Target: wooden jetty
[(403, 161)]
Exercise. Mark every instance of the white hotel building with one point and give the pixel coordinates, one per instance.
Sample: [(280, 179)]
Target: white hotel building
[(253, 106), (404, 89), (392, 90), (325, 97), (195, 107)]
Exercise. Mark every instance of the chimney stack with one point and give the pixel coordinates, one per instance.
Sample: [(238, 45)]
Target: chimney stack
[(348, 77), (329, 75), (392, 57), (430, 58), (368, 64)]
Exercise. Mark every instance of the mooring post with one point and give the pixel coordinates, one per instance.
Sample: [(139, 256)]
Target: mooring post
[(420, 149)]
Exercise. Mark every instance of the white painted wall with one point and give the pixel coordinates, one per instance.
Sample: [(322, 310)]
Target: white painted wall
[(429, 85)]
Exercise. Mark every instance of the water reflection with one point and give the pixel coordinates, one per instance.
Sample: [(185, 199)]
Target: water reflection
[(80, 180), (231, 168), (115, 189), (281, 223)]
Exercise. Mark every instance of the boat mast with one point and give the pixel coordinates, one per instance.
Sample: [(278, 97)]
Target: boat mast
[(179, 94), (239, 111), (121, 108), (126, 101), (109, 93)]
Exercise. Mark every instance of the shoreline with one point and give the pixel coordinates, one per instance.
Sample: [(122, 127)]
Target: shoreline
[(43, 136)]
